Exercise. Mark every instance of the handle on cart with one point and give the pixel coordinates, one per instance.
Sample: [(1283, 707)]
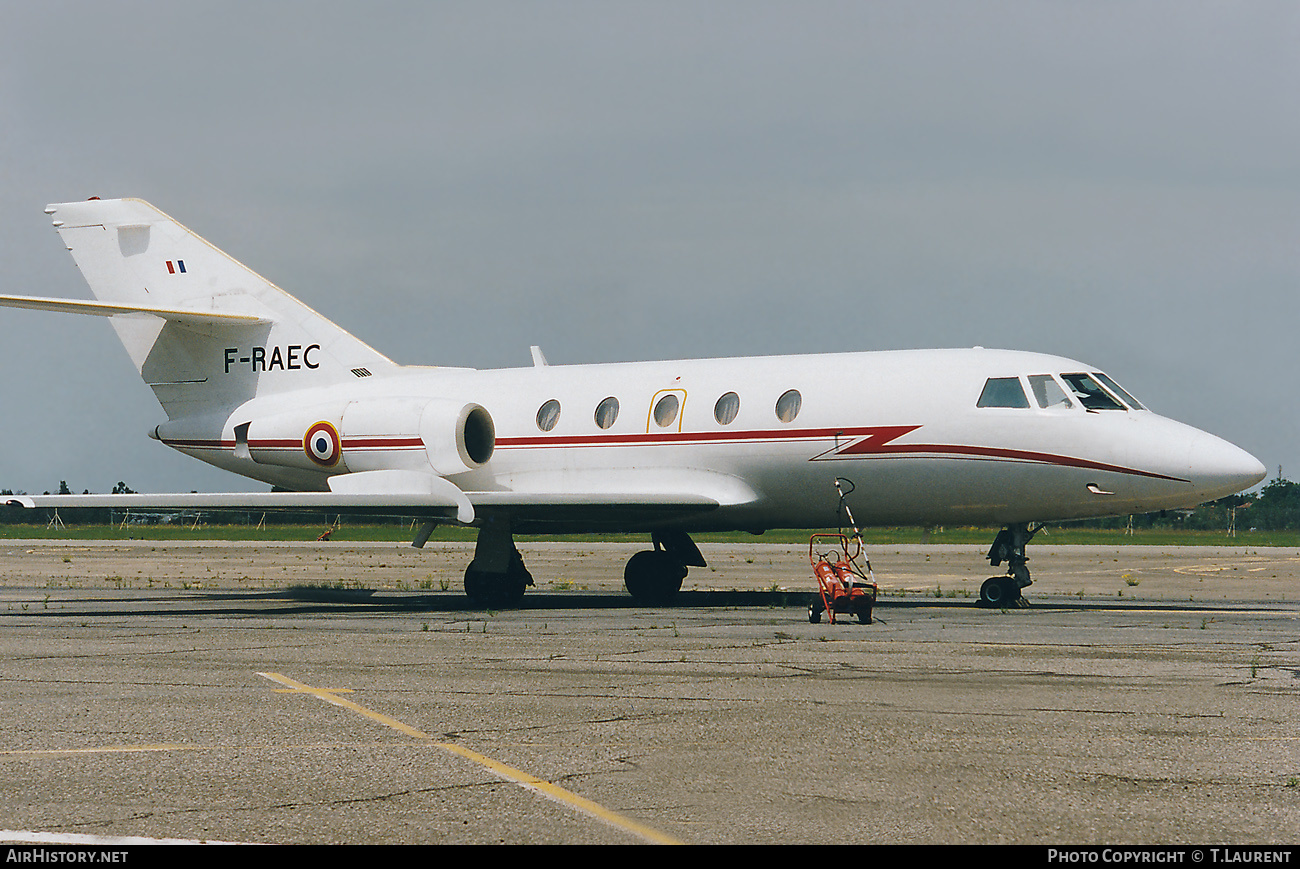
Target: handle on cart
[(840, 542), (844, 504)]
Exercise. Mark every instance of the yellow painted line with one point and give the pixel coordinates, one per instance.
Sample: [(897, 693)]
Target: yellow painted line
[(330, 697), (545, 788), (560, 795), (299, 690)]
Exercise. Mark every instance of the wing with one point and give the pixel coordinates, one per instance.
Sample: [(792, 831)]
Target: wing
[(623, 498)]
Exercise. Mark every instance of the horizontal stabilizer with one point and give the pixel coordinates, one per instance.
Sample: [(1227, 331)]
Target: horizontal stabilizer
[(104, 309)]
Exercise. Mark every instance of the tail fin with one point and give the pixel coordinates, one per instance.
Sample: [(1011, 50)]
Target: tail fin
[(132, 255)]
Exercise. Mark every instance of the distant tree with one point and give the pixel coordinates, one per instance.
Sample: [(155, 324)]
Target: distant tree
[(123, 489), (1277, 507), (63, 488)]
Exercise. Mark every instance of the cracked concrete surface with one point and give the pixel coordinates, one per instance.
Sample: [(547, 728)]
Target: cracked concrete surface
[(1110, 712)]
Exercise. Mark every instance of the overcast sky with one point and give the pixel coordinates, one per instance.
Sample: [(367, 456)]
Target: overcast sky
[(1114, 182)]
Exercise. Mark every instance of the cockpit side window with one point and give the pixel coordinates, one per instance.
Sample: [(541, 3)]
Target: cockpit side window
[(1003, 392), (1121, 393), (1090, 393), (1047, 392)]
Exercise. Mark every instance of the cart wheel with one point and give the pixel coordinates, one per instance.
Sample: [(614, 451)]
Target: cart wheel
[(864, 616), (815, 613)]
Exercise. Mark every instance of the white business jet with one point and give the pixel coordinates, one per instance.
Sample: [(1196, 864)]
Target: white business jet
[(255, 382)]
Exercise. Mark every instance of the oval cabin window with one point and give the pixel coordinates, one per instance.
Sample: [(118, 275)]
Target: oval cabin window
[(548, 415), (666, 410), (607, 412), (787, 406), (726, 409)]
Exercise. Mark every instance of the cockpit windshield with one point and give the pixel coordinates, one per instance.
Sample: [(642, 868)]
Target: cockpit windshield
[(1047, 392), (1093, 391), (1119, 391), (1090, 393)]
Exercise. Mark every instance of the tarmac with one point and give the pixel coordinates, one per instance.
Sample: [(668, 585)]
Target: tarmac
[(348, 693)]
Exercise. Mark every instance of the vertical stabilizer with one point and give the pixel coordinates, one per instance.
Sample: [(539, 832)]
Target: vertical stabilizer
[(130, 253)]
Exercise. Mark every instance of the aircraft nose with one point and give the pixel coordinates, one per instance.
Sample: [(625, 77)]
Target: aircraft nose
[(1219, 469)]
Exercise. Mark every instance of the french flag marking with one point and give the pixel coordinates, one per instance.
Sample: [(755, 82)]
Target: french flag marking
[(179, 266)]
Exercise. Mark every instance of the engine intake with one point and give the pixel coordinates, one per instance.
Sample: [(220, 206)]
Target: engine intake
[(457, 437)]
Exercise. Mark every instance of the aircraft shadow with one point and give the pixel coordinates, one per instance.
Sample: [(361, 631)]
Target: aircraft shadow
[(324, 601)]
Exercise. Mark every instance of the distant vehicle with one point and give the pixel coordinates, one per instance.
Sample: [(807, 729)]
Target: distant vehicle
[(255, 382)]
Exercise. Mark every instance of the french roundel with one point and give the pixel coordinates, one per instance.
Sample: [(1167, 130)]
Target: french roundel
[(321, 444)]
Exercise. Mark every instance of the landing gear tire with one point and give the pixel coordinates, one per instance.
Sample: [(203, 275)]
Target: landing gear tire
[(1009, 547), (653, 577), (498, 590), (1000, 592)]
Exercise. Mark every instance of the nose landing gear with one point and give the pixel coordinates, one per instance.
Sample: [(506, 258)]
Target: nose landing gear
[(1009, 546)]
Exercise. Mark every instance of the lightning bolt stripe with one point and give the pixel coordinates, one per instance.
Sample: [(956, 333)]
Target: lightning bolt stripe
[(867, 448), (863, 442)]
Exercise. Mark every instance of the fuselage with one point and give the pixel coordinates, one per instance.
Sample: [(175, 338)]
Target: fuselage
[(925, 436)]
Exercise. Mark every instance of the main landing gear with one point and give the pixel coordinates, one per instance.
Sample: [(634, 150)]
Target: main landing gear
[(1008, 546), (654, 576), (496, 578)]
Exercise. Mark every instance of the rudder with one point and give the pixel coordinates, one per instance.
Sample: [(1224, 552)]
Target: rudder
[(133, 254)]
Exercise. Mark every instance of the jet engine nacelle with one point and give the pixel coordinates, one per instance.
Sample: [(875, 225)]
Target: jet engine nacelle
[(416, 434), (458, 437)]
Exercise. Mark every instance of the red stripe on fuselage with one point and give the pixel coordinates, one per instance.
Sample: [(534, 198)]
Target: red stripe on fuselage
[(889, 432), (863, 442), (291, 444), (862, 449)]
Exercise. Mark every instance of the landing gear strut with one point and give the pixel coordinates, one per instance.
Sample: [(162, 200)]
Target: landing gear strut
[(1008, 546), (654, 576), (496, 578)]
